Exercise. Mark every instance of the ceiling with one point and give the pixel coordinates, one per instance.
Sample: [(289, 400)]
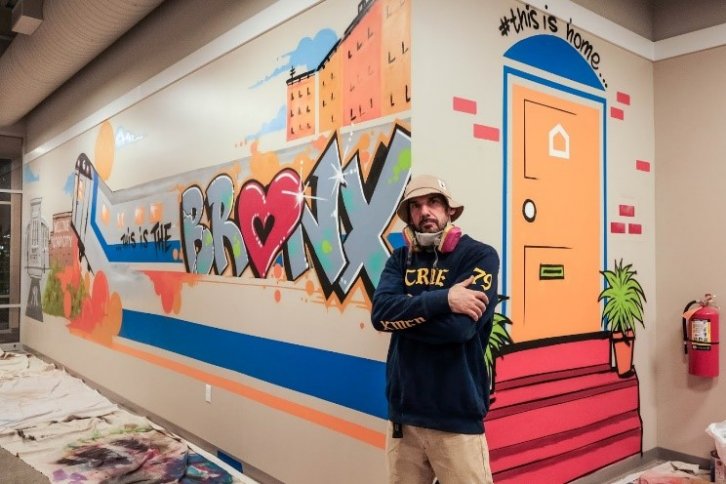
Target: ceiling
[(652, 19), (660, 19), (6, 34), (70, 35)]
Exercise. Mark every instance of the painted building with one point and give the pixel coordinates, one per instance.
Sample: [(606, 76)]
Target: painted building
[(364, 76), (63, 242)]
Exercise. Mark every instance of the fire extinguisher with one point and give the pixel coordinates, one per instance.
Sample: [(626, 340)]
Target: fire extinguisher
[(700, 336)]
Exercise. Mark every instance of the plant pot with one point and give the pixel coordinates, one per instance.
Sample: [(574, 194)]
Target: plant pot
[(623, 345)]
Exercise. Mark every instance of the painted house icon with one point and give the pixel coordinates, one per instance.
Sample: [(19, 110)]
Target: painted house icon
[(559, 142)]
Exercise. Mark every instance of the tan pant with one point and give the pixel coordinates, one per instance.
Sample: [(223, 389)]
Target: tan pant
[(423, 454)]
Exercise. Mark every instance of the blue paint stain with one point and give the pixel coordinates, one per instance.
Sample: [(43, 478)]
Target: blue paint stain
[(29, 176), (278, 123), (70, 183)]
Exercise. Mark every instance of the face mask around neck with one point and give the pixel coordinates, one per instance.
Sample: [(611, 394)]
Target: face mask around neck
[(425, 239)]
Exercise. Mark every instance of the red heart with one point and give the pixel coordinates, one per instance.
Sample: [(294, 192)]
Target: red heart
[(267, 216)]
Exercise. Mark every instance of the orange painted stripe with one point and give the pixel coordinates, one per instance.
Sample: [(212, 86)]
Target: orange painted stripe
[(358, 432)]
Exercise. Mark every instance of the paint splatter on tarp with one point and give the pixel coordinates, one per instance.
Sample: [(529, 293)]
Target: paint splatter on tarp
[(202, 470), (135, 455)]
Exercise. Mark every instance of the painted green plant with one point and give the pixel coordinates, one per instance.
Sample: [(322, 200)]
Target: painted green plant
[(624, 298), (54, 294), (498, 339)]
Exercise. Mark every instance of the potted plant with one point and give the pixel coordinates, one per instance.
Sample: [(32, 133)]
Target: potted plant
[(498, 338), (624, 298)]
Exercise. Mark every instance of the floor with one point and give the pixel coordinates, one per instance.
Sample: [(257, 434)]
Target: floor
[(24, 375), (15, 471), (672, 472)]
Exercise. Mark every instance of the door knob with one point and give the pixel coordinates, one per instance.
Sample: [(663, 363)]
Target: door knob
[(529, 210)]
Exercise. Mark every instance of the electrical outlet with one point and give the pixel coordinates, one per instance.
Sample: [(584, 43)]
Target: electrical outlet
[(208, 393)]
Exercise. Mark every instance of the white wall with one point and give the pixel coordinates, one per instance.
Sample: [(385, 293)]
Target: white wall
[(690, 173)]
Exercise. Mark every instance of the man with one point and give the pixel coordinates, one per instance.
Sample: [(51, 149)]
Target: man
[(436, 297)]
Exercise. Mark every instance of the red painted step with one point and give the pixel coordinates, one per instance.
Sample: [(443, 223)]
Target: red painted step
[(555, 357), (558, 444), (560, 411), (574, 386), (577, 463), (555, 416)]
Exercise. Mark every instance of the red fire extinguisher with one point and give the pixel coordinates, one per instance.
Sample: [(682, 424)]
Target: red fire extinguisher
[(700, 336)]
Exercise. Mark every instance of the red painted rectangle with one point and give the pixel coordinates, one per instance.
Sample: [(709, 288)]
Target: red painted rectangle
[(635, 229), (642, 165), (617, 227), (551, 389), (623, 98), (557, 357), (486, 132), (464, 105), (548, 420), (551, 446), (617, 113), (627, 211), (576, 463)]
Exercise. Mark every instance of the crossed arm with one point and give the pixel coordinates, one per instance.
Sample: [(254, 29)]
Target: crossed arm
[(442, 315)]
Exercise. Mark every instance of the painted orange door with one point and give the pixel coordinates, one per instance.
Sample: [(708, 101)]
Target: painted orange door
[(556, 215)]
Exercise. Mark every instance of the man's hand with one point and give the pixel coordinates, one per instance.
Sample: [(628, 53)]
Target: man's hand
[(470, 302)]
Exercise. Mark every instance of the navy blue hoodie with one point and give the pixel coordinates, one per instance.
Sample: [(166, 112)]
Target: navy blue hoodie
[(436, 376)]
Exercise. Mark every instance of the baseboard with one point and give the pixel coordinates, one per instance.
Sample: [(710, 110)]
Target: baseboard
[(667, 454)]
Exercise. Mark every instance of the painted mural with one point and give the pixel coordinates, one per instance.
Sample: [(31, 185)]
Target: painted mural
[(264, 266)]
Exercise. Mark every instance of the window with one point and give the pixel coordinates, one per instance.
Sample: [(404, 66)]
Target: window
[(10, 249)]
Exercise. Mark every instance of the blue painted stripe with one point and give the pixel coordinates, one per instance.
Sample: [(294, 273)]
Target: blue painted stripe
[(138, 252), (351, 381)]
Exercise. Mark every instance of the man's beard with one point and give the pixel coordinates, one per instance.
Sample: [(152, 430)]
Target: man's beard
[(430, 229)]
